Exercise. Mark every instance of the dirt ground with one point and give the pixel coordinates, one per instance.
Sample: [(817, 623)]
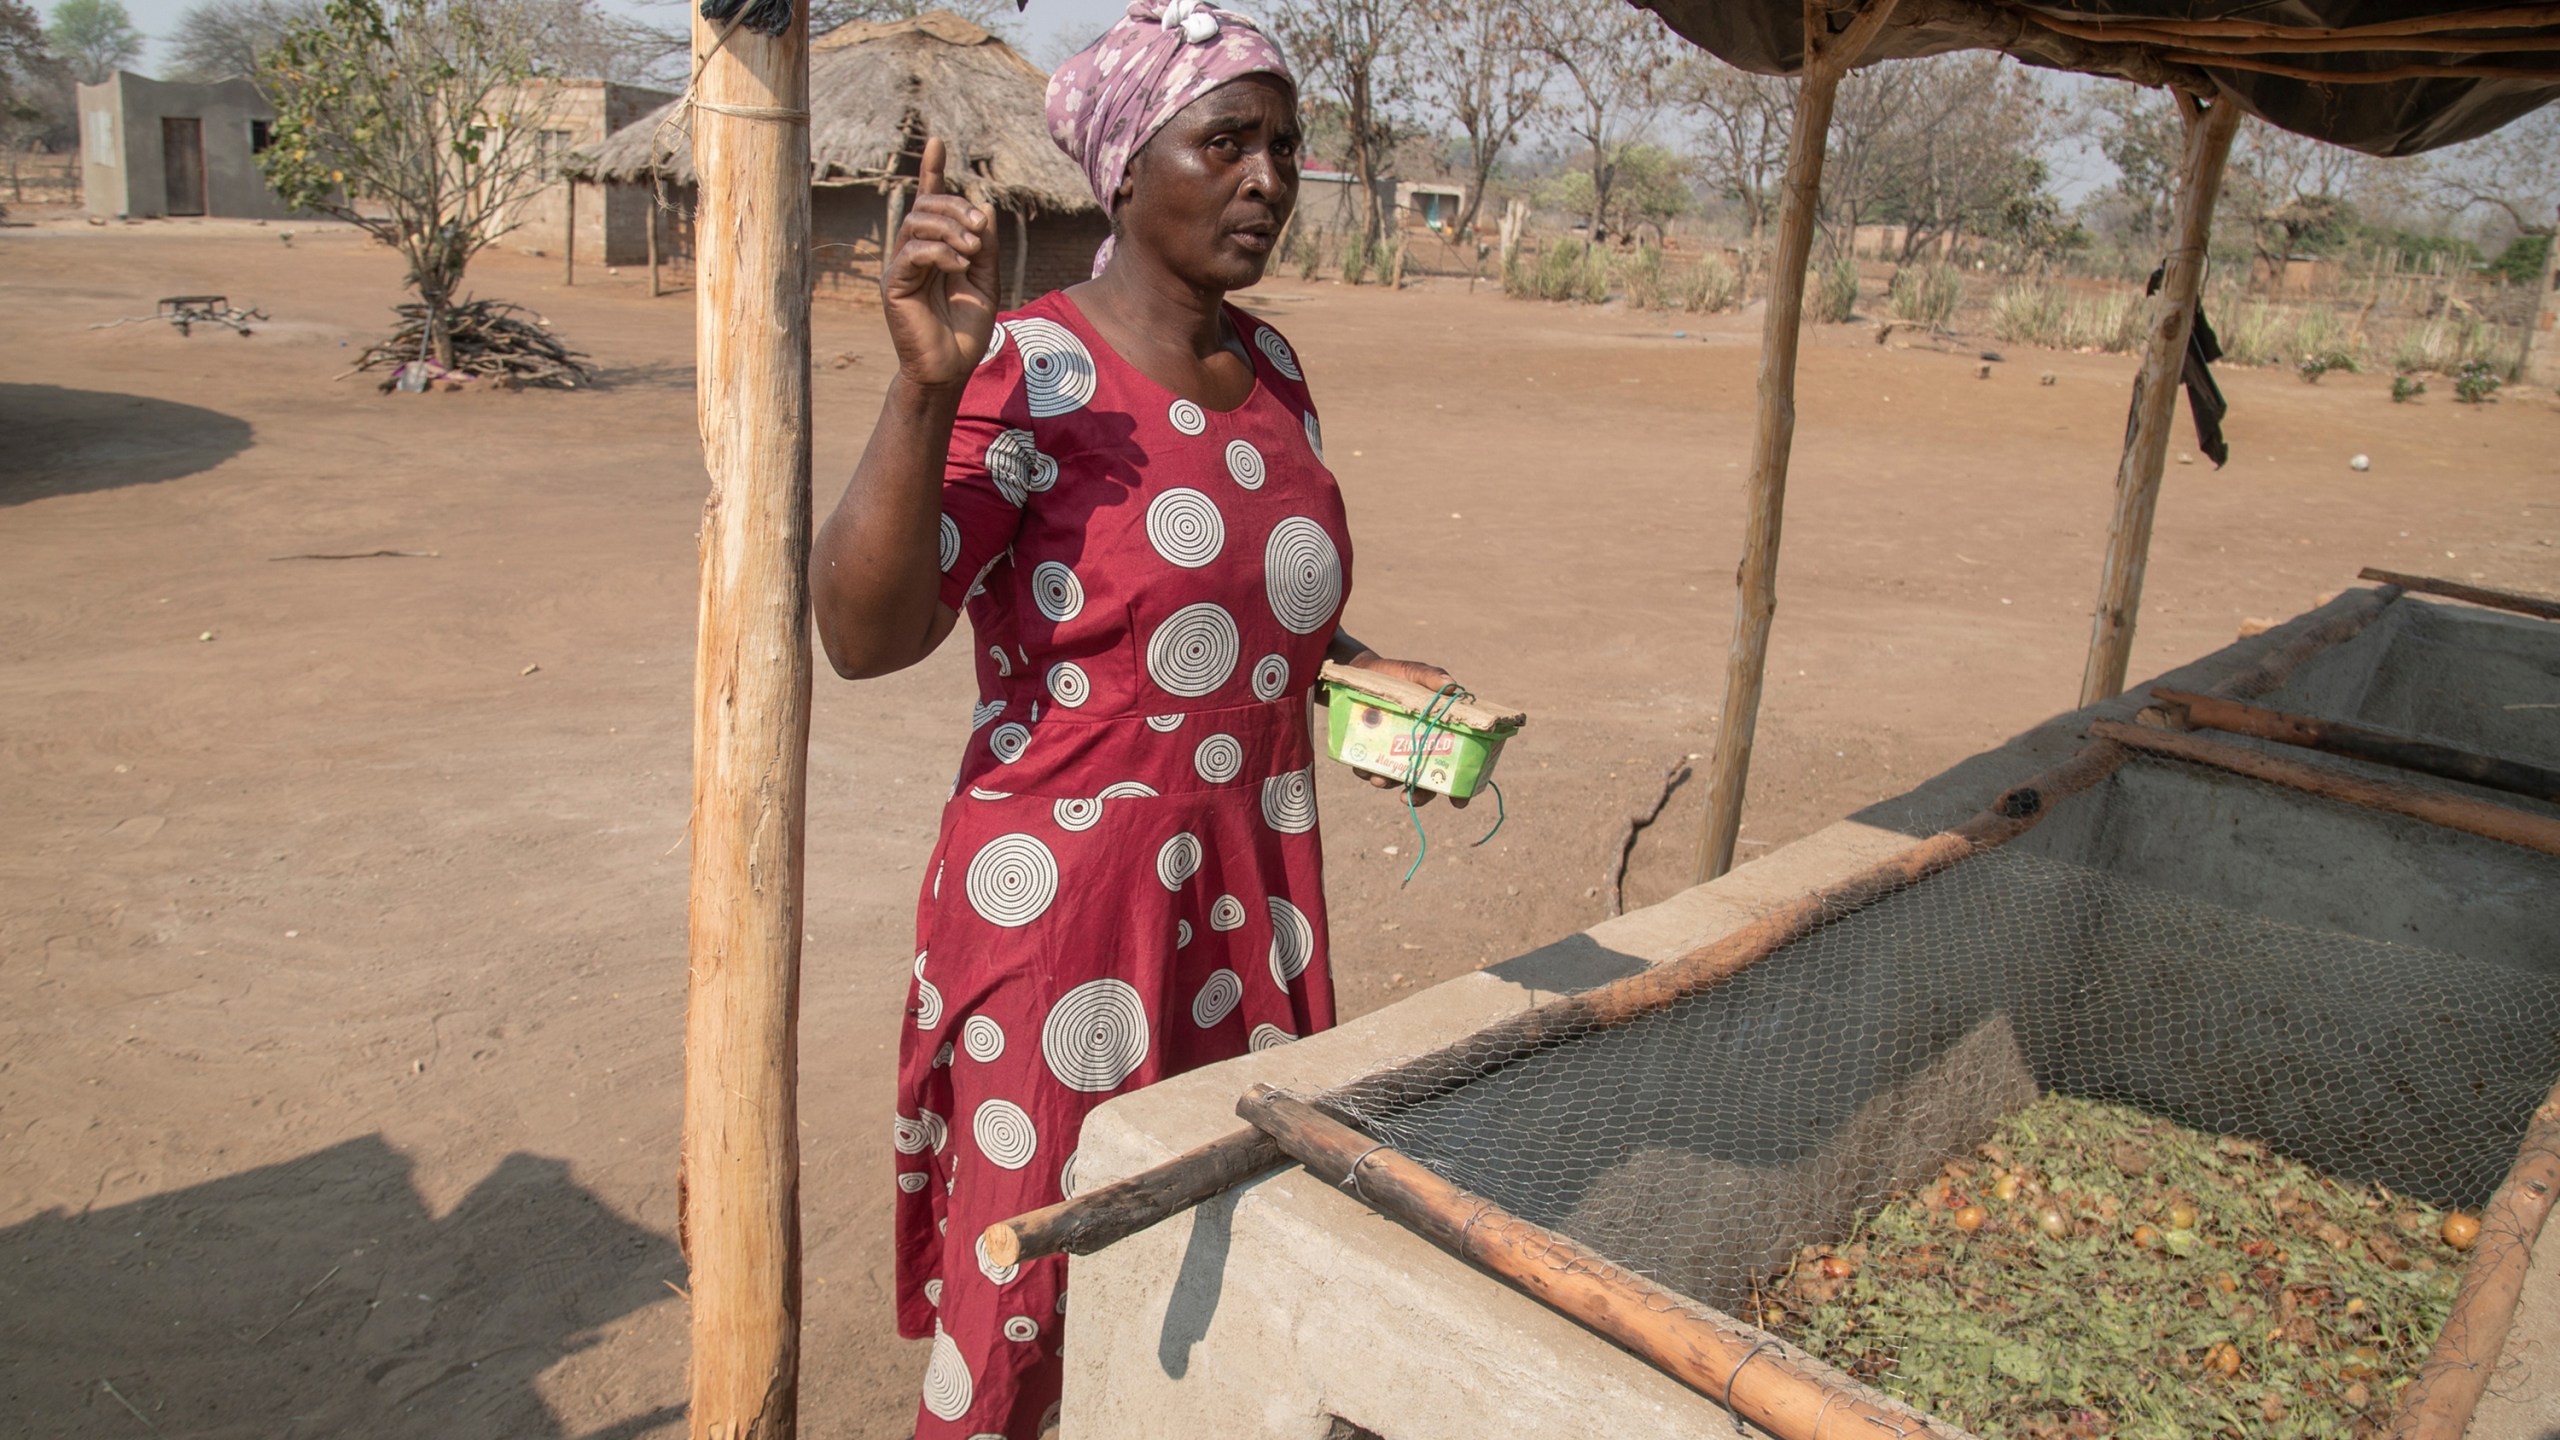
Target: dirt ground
[(341, 918)]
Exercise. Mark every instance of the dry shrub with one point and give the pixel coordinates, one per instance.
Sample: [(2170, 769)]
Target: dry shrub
[(1926, 294), (1834, 287)]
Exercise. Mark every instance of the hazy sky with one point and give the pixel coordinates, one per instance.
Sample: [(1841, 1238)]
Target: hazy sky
[(1038, 27)]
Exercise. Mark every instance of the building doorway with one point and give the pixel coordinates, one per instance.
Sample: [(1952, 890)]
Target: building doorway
[(182, 163)]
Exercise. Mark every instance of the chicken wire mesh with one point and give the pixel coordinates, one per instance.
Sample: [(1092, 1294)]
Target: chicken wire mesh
[(1700, 1145)]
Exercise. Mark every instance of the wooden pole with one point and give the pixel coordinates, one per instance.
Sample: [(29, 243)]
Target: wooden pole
[(2438, 1403), (569, 242), (1105, 1216), (1762, 1381), (740, 1185), (2467, 813), (654, 289), (2363, 742), (2539, 361), (1826, 59), (2155, 394), (2523, 604), (1021, 256)]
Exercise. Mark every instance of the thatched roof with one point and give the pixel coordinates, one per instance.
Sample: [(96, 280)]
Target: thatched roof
[(875, 91)]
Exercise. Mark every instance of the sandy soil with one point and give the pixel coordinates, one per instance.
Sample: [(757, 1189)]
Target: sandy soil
[(341, 951)]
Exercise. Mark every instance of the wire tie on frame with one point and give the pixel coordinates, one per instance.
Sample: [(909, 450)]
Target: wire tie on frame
[(1351, 1177), (1732, 1411)]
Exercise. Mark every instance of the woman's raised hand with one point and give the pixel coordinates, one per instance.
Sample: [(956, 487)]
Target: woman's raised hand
[(939, 286)]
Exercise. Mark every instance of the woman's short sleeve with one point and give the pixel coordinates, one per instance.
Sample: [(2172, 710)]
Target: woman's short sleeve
[(991, 468)]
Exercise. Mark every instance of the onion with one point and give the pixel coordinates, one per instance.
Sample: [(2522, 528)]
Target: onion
[(2460, 1230), (1837, 1267), (2182, 1216), (1970, 1218), (2053, 1222)]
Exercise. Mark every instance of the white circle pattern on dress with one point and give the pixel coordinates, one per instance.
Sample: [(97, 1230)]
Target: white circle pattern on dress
[(1044, 473), (933, 1293), (1244, 464), (1055, 589), (1004, 1134), (1003, 662), (1276, 350), (911, 1181), (982, 1038), (1164, 724), (950, 542), (1067, 1175), (1021, 1329), (910, 1136), (987, 1266), (986, 710), (980, 793), (1293, 942), (928, 1004), (1057, 371), (1095, 1036), (1186, 416), (1302, 575), (1068, 685), (1181, 934), (942, 1057), (1270, 677), (1127, 790), (1009, 458), (1315, 435), (1193, 651), (1226, 914), (995, 344), (1076, 814), (1289, 802), (1219, 995), (1185, 527), (1009, 740), (1179, 860), (1218, 758), (1265, 1037), (1012, 879)]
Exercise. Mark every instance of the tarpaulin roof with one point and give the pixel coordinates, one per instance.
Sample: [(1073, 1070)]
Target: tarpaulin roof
[(2454, 71)]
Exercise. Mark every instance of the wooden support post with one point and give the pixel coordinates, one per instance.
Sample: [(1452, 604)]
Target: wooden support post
[(1827, 58), (740, 1189), (569, 242), (654, 289), (2155, 397), (2362, 742), (1021, 257), (2539, 362), (2537, 606)]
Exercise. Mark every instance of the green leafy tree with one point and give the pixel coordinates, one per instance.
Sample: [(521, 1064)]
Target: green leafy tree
[(1613, 63), (95, 38), (1650, 187), (35, 90), (421, 124)]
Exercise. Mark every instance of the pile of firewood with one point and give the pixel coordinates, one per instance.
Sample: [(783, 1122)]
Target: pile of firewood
[(492, 340)]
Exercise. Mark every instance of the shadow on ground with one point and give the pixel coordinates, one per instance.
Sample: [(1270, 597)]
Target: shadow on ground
[(318, 1298), (69, 442)]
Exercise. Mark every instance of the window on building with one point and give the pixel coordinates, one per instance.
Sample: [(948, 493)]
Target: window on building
[(262, 133), (550, 147)]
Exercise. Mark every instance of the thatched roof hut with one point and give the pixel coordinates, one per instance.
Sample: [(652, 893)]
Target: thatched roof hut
[(875, 91)]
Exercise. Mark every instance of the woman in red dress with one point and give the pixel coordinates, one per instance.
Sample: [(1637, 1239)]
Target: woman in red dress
[(1123, 485)]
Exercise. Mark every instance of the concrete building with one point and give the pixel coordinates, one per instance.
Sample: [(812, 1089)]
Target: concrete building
[(611, 219), (162, 147)]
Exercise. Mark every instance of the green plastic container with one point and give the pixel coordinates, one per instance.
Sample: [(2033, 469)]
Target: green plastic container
[(1371, 735)]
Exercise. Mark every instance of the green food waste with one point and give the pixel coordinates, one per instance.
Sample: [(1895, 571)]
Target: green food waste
[(2095, 1271)]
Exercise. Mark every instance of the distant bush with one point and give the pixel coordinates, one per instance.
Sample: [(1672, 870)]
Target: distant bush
[(2035, 312), (2405, 388), (1641, 274), (2446, 344), (1834, 287), (1711, 286), (2312, 367), (1925, 294), (1355, 257), (1565, 269), (2477, 382)]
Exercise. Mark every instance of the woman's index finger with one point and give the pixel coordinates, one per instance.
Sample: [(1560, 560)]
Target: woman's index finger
[(929, 180)]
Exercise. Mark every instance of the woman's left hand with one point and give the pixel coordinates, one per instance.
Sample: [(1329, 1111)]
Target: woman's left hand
[(1412, 672)]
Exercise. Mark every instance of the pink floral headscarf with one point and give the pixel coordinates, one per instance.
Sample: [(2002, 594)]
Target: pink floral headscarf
[(1108, 101)]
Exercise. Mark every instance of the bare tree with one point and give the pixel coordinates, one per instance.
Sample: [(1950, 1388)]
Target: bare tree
[(2513, 173), (1472, 60), (1743, 121), (1965, 155), (1350, 51), (1613, 58), (222, 38)]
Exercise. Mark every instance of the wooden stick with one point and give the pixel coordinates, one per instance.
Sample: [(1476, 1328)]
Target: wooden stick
[(1616, 879), (1750, 1372), (739, 1200), (1827, 59), (1021, 254), (1405, 695), (2385, 75), (1085, 1223), (569, 246), (2278, 665), (654, 290), (2439, 1401), (2155, 394), (2523, 604), (2469, 814), (1115, 1212), (2361, 742)]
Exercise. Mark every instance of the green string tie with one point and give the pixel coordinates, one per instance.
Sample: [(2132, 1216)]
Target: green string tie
[(1435, 715)]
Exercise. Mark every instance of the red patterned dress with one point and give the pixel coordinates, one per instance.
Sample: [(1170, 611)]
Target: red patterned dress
[(1128, 883)]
